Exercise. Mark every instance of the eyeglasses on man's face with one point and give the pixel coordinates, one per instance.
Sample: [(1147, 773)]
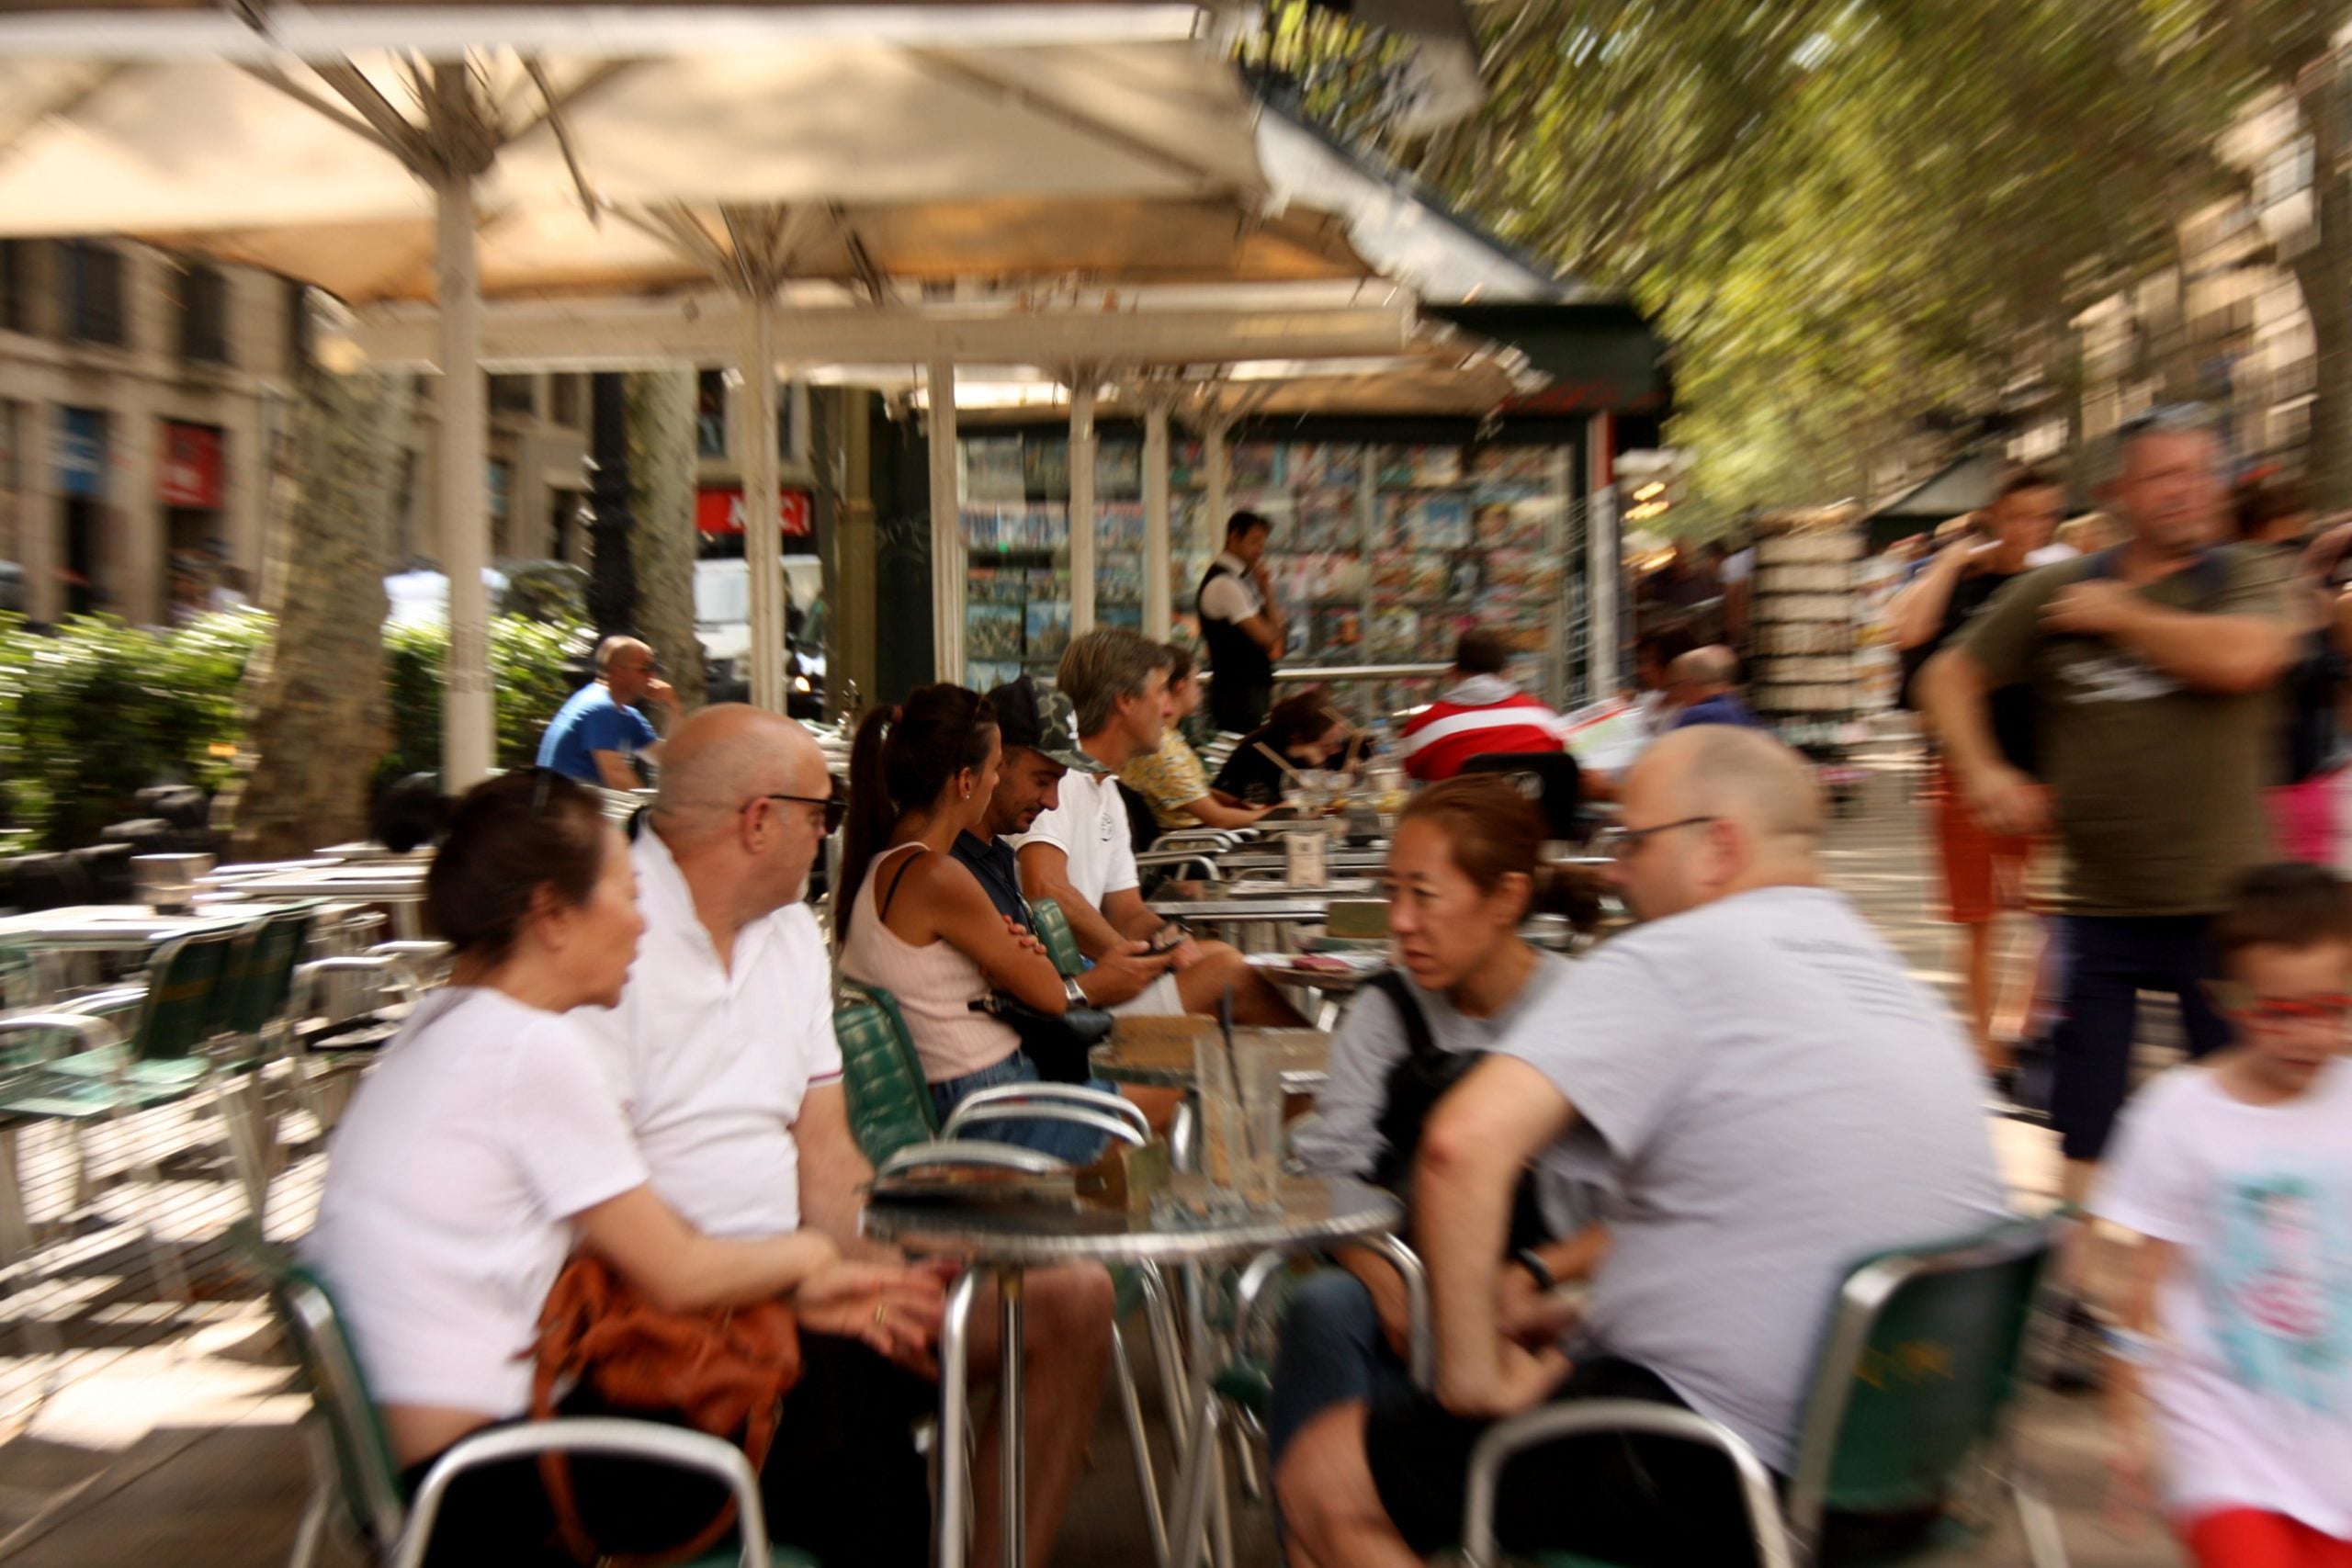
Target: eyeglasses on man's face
[(1622, 843), (835, 807)]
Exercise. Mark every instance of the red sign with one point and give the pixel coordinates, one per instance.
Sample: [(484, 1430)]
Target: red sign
[(721, 511), (189, 471)]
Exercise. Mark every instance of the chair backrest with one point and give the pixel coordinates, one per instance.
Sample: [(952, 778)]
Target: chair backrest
[(261, 972), (19, 977), (1558, 783), (889, 1102), (1356, 919), (367, 1478), (1921, 1357), (1061, 942), (182, 1008)]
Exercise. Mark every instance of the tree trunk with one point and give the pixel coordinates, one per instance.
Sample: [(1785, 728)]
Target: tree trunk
[(2325, 273), (661, 495), (317, 719)]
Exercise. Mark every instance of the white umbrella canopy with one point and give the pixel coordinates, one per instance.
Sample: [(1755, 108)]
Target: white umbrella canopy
[(571, 172)]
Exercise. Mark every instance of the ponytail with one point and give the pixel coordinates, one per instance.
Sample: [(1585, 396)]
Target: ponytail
[(903, 758)]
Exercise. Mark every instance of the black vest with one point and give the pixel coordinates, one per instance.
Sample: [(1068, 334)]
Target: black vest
[(1244, 686)]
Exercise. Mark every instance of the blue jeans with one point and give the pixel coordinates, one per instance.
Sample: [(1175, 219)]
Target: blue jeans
[(1332, 1351), (1079, 1145)]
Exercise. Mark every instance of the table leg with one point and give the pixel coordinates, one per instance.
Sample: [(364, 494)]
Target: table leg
[(1012, 1466), (1192, 1479), (952, 1522)]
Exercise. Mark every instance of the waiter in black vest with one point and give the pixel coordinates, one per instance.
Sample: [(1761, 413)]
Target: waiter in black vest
[(1242, 626)]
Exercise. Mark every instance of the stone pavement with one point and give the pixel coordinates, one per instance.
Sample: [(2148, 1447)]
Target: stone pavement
[(171, 1436)]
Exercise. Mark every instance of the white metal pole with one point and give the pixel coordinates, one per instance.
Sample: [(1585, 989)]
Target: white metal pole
[(1081, 504), (1216, 480), (946, 526), (1155, 519), (763, 549), (468, 730), (1602, 563)]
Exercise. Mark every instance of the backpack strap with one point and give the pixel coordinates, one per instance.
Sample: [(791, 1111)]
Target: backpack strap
[(1420, 1045)]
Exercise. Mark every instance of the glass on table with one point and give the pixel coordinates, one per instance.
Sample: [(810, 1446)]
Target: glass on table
[(1257, 1171)]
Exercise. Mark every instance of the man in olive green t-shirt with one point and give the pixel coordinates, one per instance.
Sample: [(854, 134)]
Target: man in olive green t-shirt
[(2154, 667)]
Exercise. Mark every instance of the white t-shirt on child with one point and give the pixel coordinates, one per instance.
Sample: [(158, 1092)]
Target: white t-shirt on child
[(2254, 1382), (451, 1183)]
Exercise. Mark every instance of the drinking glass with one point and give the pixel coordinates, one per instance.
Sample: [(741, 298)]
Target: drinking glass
[(1257, 1171)]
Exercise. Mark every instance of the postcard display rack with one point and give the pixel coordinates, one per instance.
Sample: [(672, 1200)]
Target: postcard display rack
[(1380, 554), (1811, 678), (1385, 554), (1015, 521)]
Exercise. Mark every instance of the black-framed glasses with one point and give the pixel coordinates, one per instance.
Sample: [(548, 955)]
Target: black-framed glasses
[(835, 807), (1619, 843)]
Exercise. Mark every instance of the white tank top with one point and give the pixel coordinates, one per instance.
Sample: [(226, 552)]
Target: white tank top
[(934, 984)]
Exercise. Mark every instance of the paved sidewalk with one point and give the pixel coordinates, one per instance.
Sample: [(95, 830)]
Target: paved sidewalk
[(171, 1437)]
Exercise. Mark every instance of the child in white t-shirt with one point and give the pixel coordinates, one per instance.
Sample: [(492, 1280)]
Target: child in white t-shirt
[(2233, 1375)]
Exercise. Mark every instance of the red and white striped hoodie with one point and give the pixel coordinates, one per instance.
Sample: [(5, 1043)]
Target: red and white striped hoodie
[(1485, 713)]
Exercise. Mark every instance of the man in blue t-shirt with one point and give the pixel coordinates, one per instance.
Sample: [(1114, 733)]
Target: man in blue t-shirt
[(1704, 683), (597, 736)]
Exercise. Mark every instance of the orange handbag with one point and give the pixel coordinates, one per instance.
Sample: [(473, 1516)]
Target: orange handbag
[(725, 1372)]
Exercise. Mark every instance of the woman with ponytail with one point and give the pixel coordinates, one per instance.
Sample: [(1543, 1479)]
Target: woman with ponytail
[(912, 919)]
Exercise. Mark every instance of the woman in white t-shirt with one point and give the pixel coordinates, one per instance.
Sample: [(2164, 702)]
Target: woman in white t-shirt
[(913, 919), (2235, 1175), (487, 1143)]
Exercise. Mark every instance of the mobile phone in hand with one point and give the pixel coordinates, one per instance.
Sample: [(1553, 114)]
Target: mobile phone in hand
[(1167, 939)]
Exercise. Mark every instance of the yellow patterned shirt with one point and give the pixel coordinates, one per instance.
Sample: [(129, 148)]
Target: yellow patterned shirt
[(1171, 778)]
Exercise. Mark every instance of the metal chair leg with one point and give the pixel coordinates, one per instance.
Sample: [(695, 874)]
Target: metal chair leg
[(16, 1229), (171, 1277), (1131, 1407), (1167, 1350), (2045, 1545)]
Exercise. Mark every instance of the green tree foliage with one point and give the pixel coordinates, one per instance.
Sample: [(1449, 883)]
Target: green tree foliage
[(528, 676), (1844, 214), (95, 714), (92, 716)]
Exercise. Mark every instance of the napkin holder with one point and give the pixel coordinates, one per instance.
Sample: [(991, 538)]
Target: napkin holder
[(1126, 1176)]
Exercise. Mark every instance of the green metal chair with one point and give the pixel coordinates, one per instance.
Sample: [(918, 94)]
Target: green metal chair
[(159, 1061), (1053, 929), (358, 1482), (1924, 1352)]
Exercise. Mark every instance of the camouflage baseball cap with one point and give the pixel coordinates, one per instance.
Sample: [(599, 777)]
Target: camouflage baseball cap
[(1029, 713)]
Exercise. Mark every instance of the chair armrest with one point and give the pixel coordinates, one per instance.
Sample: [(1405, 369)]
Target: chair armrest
[(1068, 1093), (95, 1032), (403, 982), (1250, 1300), (1003, 1156), (1506, 1439), (593, 1434), (968, 1116), (113, 999), (1155, 860)]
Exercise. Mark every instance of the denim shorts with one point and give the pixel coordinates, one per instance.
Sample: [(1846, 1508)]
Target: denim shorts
[(1063, 1140), (1333, 1351)]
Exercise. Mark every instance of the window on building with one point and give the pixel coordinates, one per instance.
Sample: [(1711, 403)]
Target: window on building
[(89, 291), (204, 315), (566, 396), (298, 343), (514, 394), (710, 412), (16, 286)]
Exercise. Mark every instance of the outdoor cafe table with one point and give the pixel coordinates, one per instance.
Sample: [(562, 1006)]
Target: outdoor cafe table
[(1009, 1241), (1167, 1062), (399, 884), (117, 928), (1234, 863)]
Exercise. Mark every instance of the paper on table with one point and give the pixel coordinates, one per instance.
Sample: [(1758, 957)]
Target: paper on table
[(1607, 734)]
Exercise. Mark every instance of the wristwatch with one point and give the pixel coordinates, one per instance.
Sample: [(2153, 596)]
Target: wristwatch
[(1527, 1257), (1078, 997)]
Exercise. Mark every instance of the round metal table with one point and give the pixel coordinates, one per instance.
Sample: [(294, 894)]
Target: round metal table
[(1007, 1242), (1306, 1053)]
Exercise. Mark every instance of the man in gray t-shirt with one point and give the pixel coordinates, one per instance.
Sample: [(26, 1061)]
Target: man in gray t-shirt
[(1765, 1096)]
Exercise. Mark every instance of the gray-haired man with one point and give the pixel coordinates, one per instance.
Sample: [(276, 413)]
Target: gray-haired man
[(1079, 855)]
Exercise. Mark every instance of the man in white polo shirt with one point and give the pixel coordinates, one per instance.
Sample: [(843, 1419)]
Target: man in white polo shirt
[(732, 1076), (1079, 855)]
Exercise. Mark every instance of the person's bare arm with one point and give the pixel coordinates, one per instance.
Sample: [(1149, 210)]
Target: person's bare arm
[(2146, 1264), (1211, 812), (1918, 613), (681, 1270), (1265, 631), (1479, 1139), (1133, 919), (1953, 690), (952, 903), (2222, 654), (833, 1173), (1045, 873), (616, 770)]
